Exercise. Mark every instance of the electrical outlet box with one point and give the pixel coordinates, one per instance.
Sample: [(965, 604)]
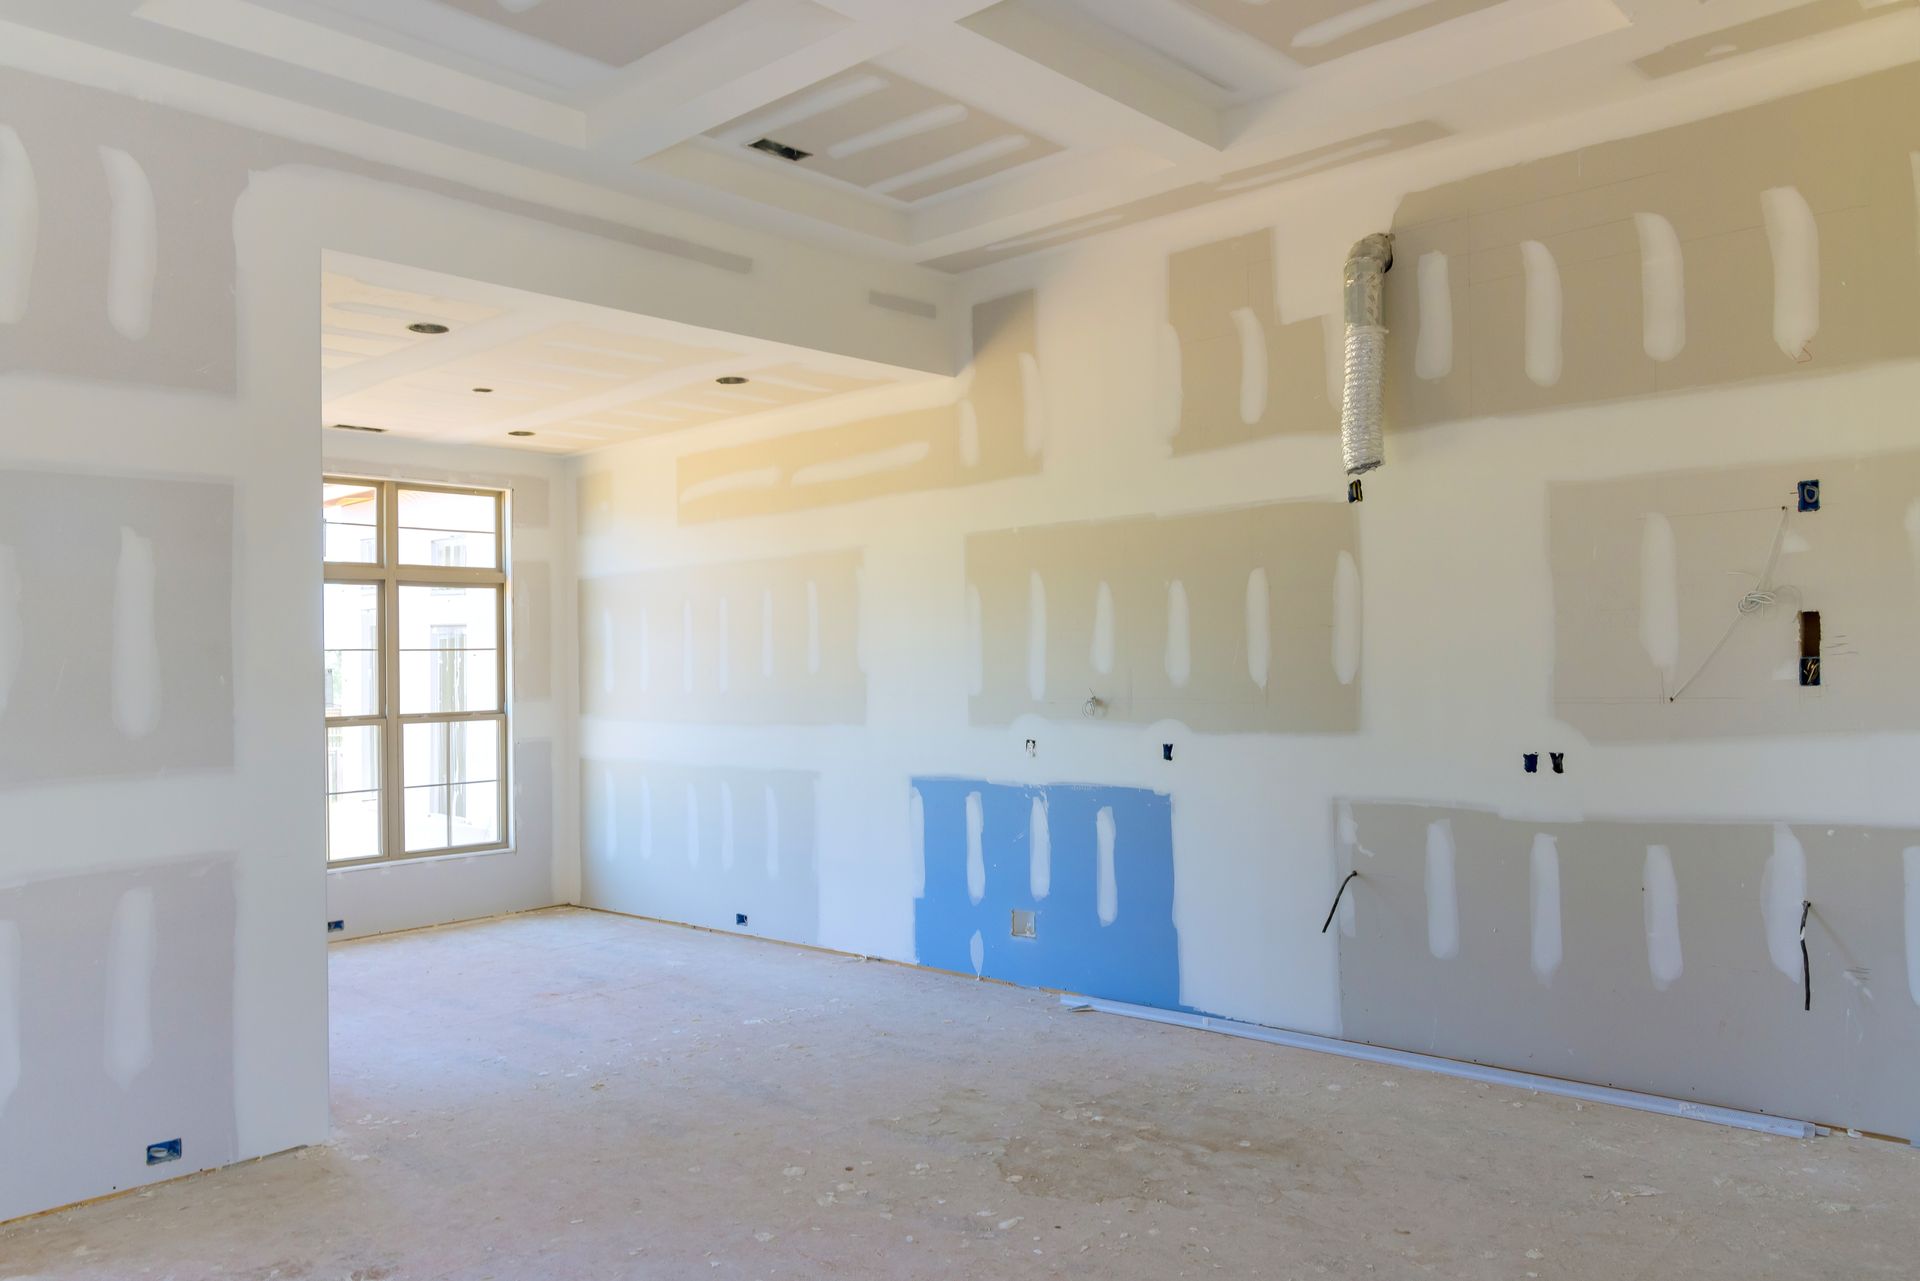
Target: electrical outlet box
[(161, 1153), (1809, 495), (739, 918), (1023, 924), (336, 927)]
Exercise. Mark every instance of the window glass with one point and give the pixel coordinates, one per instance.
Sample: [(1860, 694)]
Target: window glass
[(449, 529), (352, 522)]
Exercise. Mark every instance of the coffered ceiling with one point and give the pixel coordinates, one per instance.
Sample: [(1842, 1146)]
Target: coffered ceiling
[(960, 133)]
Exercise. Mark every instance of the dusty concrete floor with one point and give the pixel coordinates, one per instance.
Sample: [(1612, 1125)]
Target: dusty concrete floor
[(574, 1096)]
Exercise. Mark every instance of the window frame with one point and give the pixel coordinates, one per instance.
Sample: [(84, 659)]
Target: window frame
[(390, 576)]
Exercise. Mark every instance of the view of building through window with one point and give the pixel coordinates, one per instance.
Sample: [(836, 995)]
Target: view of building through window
[(414, 619)]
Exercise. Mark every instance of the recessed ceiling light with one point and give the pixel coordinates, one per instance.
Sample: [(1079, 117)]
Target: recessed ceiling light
[(731, 380), (519, 433), (427, 327), (483, 391)]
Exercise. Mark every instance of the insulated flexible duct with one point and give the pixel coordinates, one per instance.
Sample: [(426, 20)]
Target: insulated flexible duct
[(1360, 399)]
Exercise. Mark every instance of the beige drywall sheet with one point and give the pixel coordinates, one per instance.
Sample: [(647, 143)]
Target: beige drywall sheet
[(994, 432), (1243, 620), (532, 638), (116, 1029), (129, 275), (116, 626), (1650, 574), (1785, 27), (704, 846), (1243, 374), (615, 35), (765, 642), (1775, 241), (1655, 956)]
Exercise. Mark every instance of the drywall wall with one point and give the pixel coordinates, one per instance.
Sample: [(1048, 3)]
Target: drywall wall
[(163, 890), (542, 866), (1580, 490)]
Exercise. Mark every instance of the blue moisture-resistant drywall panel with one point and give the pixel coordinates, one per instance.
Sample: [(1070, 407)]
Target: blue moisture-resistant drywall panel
[(1131, 955)]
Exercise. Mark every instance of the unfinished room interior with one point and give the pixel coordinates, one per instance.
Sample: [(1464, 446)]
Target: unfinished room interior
[(930, 638)]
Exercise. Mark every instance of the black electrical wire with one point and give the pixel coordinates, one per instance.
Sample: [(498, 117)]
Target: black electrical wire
[(1336, 899), (1806, 966)]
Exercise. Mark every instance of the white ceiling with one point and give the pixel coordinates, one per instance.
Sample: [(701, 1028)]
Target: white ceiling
[(574, 376), (962, 132)]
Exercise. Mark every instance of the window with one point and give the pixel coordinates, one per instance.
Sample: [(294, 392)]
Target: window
[(414, 620)]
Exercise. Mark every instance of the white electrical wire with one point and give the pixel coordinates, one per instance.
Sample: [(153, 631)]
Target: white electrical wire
[(1763, 596)]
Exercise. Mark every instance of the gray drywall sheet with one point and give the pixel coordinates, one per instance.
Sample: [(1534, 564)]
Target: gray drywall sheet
[(1652, 956), (116, 1029), (116, 626), (704, 845), (761, 642), (1650, 574), (1239, 620), (1775, 241)]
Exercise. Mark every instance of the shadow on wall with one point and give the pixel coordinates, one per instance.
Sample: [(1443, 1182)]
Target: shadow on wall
[(1064, 886), (995, 431), (116, 1029), (1654, 956), (704, 846)]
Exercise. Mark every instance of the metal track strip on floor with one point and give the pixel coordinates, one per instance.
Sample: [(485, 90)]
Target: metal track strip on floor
[(1785, 1127)]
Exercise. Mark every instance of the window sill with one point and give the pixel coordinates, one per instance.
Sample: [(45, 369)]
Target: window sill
[(374, 865)]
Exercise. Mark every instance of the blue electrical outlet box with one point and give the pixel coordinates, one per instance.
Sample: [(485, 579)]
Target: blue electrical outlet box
[(161, 1153), (1809, 495)]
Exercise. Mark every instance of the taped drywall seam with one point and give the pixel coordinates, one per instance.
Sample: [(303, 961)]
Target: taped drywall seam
[(10, 996), (19, 226), (1039, 850), (693, 825), (136, 646), (1660, 596), (1346, 618), (1253, 364), (1545, 306), (1179, 636), (773, 834), (11, 633), (1259, 626), (1036, 636), (1910, 868), (1544, 880), (1663, 290), (1102, 648), (132, 951), (1661, 894), (976, 855), (1107, 891), (1783, 888), (1433, 345), (1793, 239), (1783, 1127), (134, 245), (1443, 907)]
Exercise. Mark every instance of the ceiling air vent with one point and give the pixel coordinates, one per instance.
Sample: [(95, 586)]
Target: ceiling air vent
[(780, 149), (378, 431)]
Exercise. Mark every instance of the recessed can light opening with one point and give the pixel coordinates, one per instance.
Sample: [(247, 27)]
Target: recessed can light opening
[(731, 380), (519, 433), (427, 327)]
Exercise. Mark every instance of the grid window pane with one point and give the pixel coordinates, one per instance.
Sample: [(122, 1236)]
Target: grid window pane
[(428, 818), (351, 635), (353, 826), (449, 529), (352, 514), (448, 656), (353, 758), (476, 813), (438, 752)]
